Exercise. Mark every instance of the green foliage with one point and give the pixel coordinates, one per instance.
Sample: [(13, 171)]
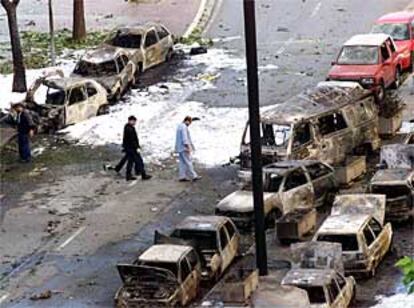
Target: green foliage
[(35, 47), (406, 265), (195, 37)]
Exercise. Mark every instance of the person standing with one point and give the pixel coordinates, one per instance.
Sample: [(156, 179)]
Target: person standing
[(131, 145), (25, 131), (185, 147)]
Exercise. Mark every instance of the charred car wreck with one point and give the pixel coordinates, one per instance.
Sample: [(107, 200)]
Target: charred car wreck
[(57, 102), (215, 238), (288, 185), (325, 123), (163, 275)]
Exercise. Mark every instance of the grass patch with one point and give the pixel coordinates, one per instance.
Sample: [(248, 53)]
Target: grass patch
[(196, 38), (35, 47)]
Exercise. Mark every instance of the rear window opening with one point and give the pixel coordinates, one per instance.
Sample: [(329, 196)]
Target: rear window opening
[(316, 294), (172, 267), (96, 69), (204, 240), (349, 242), (127, 41), (391, 191)]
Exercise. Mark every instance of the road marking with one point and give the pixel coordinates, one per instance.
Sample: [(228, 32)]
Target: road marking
[(4, 297), (285, 45), (316, 9), (71, 238), (197, 18)]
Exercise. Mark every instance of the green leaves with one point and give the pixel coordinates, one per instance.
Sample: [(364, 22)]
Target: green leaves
[(406, 265)]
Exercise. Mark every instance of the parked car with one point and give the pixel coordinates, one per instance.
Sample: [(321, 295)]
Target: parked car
[(319, 272), (164, 274), (325, 287), (148, 44), (357, 223), (325, 123), (109, 66), (57, 101), (288, 185), (370, 59), (215, 238), (399, 25)]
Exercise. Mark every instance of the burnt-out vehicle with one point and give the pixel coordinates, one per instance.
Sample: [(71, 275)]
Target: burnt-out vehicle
[(215, 238), (320, 273), (109, 66), (357, 223), (325, 123), (164, 275), (148, 44), (57, 101), (288, 185)]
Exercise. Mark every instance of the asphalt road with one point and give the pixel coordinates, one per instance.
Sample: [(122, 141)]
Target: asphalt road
[(301, 38)]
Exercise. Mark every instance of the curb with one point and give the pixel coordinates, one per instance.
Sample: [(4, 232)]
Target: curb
[(202, 17)]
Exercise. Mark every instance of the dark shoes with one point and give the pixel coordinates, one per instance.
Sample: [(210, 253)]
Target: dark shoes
[(145, 177), (131, 178)]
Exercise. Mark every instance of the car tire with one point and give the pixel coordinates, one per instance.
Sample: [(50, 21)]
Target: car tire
[(103, 110), (380, 94), (353, 298), (169, 55), (117, 96), (398, 76)]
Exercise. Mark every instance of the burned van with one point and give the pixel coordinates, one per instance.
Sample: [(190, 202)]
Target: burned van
[(325, 123)]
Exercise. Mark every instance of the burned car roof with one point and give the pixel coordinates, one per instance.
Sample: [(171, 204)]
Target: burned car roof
[(391, 176), (321, 99), (203, 223), (340, 224), (240, 200), (398, 156), (102, 54), (139, 28), (164, 253), (64, 83), (309, 277)]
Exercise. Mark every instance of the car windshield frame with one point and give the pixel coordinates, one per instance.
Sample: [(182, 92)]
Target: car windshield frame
[(96, 69), (389, 29), (360, 61), (342, 238), (310, 290), (202, 238), (119, 38)]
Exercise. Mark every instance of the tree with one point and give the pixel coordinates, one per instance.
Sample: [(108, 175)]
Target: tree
[(79, 28), (19, 77), (52, 35)]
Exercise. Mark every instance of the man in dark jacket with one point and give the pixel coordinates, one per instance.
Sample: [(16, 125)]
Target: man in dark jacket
[(25, 130), (131, 145)]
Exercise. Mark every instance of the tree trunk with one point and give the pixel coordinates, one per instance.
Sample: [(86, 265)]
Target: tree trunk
[(19, 77), (79, 27), (52, 35)]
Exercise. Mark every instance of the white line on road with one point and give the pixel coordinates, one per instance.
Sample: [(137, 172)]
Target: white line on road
[(283, 48), (71, 238), (316, 9), (197, 18), (4, 297)]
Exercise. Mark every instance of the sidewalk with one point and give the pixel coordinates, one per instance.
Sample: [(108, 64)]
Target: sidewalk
[(104, 14)]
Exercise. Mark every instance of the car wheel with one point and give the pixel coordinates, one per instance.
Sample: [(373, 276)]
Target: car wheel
[(353, 298), (380, 95), (103, 110), (397, 81), (117, 95), (169, 55)]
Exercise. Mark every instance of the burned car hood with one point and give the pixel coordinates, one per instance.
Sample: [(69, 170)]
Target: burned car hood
[(108, 82), (398, 156), (353, 71), (360, 204), (240, 201), (140, 274)]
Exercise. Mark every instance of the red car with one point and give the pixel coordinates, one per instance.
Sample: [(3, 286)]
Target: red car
[(370, 59), (399, 26)]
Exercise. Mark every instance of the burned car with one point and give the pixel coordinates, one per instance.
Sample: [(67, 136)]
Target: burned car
[(163, 275), (357, 223), (215, 238), (288, 185), (148, 44), (325, 123), (58, 101), (109, 66), (320, 274)]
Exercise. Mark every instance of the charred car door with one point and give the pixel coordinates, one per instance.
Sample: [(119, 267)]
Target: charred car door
[(346, 287), (225, 249), (95, 100), (303, 145), (336, 137), (297, 191), (152, 52), (165, 43), (188, 281), (323, 181), (76, 108), (380, 244)]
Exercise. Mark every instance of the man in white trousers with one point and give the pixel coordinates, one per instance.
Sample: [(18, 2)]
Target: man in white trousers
[(185, 147)]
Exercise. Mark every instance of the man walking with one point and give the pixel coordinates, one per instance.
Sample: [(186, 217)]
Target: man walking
[(25, 130), (184, 147), (131, 145)]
